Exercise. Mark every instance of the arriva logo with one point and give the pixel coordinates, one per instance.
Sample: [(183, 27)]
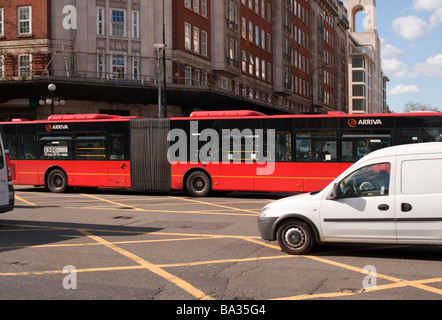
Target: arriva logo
[(50, 128), (353, 123)]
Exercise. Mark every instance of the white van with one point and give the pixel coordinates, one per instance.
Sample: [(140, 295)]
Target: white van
[(6, 188), (393, 195)]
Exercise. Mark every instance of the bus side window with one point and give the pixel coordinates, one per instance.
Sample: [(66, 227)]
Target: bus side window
[(283, 148), (431, 134), (27, 141), (55, 147), (408, 136), (10, 135), (90, 147), (316, 146), (116, 146)]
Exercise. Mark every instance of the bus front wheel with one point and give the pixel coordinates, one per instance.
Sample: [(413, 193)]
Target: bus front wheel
[(57, 181), (198, 184)]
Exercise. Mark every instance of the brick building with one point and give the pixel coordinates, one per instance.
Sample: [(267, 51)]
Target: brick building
[(275, 56)]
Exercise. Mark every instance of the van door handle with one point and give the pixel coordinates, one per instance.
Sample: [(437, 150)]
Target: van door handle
[(384, 207), (406, 207)]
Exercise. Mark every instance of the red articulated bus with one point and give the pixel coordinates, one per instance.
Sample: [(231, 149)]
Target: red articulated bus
[(208, 151), (83, 150)]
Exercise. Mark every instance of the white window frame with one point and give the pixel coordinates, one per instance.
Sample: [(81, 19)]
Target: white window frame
[(20, 21), (136, 24), (196, 40), (124, 66), (101, 21), (136, 67), (101, 65), (24, 71), (204, 40), (2, 66), (112, 23), (204, 8), (2, 22), (187, 36), (188, 76)]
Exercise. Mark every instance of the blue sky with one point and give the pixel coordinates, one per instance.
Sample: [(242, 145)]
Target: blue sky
[(411, 36)]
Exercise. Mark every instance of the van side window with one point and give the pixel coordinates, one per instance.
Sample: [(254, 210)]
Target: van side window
[(421, 177), (373, 180)]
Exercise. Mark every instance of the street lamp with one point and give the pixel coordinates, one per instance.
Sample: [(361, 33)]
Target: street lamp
[(51, 99), (159, 47)]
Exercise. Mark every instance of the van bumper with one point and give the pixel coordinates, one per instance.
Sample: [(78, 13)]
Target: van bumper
[(10, 205), (266, 227)]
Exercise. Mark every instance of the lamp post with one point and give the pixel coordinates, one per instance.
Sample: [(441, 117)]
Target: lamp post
[(159, 47), (51, 99), (312, 86)]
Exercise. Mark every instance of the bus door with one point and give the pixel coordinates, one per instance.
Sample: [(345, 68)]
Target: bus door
[(118, 165), (238, 157), (91, 159), (316, 158)]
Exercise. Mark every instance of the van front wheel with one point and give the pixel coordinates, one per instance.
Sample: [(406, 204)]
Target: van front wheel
[(295, 237)]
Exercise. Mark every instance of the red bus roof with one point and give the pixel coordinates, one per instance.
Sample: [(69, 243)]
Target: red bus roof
[(80, 117), (230, 113), (239, 114)]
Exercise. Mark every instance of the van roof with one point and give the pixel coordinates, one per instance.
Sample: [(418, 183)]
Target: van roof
[(407, 149)]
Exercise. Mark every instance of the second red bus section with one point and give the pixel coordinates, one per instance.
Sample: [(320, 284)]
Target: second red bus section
[(209, 151)]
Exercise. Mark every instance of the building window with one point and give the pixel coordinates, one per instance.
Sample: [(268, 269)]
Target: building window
[(251, 62), (118, 25), (204, 43), (358, 62), (244, 28), (359, 90), (24, 65), (135, 24), (188, 76), (101, 66), (136, 68), (244, 61), (196, 39), (100, 22), (196, 6), (2, 23), (196, 77), (187, 37), (118, 67), (204, 8), (359, 105), (2, 66), (24, 20)]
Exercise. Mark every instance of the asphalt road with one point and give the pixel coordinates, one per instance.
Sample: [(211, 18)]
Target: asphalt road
[(113, 244)]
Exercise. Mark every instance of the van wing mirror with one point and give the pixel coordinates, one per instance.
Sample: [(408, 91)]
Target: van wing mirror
[(336, 192)]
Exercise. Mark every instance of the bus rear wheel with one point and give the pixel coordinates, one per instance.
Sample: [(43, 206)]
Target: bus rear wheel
[(57, 181), (198, 184)]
